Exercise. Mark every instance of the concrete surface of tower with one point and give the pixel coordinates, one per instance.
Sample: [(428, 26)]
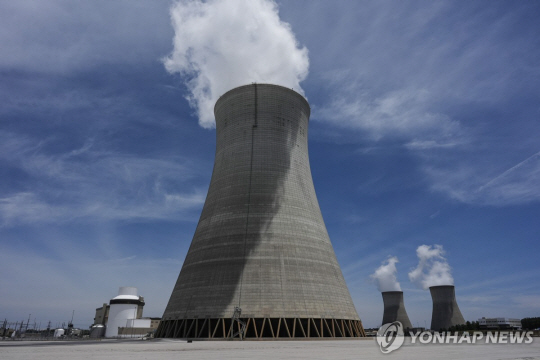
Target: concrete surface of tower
[(446, 312), (394, 309), (261, 264)]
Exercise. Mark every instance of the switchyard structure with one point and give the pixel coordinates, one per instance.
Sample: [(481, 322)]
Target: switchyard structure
[(261, 264)]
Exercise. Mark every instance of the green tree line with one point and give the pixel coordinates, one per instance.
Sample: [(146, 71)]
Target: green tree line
[(530, 323)]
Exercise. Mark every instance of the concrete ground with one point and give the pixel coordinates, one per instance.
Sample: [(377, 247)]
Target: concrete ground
[(324, 349)]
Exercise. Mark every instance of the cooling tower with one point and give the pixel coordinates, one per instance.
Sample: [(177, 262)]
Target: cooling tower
[(445, 309), (261, 264), (394, 309)]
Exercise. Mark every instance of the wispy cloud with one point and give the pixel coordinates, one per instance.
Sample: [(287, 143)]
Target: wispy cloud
[(440, 85), (60, 37), (86, 184), (402, 113), (520, 183), (431, 144), (472, 184)]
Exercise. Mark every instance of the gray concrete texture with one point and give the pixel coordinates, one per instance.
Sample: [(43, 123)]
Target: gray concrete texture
[(321, 349), (446, 312), (261, 242), (394, 309)]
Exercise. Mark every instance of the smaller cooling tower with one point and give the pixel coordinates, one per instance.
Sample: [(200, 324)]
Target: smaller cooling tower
[(446, 312), (394, 309)]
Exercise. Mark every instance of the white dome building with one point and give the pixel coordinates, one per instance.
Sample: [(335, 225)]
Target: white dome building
[(124, 309)]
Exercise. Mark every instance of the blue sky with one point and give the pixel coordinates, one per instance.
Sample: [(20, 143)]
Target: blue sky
[(424, 130)]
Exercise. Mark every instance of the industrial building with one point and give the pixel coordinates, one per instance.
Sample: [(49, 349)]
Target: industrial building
[(446, 311), (261, 264), (499, 323), (122, 317)]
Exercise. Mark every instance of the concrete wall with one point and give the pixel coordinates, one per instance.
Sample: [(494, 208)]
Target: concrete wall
[(394, 309), (130, 332), (261, 242), (446, 311), (102, 315), (138, 323)]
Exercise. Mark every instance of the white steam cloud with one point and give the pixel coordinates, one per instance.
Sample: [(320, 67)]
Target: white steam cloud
[(222, 44), (385, 275), (432, 269)]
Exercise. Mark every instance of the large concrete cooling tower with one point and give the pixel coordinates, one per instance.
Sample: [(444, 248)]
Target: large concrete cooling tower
[(261, 263), (445, 309), (394, 309)]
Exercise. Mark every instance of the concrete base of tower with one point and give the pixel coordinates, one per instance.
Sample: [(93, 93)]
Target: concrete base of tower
[(260, 328)]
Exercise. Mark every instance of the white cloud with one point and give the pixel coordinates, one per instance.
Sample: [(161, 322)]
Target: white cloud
[(402, 112), (31, 208), (519, 184), (444, 85), (24, 207), (86, 184), (385, 275), (60, 36), (429, 144), (222, 44), (479, 183)]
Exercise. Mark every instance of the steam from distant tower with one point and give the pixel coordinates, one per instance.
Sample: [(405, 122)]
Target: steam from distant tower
[(385, 278), (222, 44), (385, 275), (432, 269)]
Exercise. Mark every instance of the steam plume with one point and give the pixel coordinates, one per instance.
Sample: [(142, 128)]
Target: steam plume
[(385, 275), (432, 269), (222, 44)]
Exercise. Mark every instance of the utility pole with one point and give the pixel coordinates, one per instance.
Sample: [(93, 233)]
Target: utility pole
[(70, 324)]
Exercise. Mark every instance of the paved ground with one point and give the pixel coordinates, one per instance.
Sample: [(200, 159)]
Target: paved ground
[(177, 349)]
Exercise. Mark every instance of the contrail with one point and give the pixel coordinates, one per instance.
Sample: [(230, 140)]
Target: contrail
[(507, 172)]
